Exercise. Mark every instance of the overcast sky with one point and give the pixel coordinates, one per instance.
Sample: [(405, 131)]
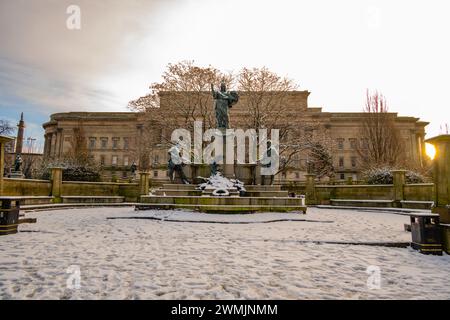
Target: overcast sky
[(335, 49)]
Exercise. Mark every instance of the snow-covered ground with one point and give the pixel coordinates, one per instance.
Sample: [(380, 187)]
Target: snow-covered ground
[(151, 259)]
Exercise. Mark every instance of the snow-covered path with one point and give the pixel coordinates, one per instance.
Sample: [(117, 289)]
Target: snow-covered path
[(149, 259)]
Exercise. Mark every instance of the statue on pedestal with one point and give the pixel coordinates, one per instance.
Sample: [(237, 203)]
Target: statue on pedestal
[(175, 164), (266, 162), (18, 163), (223, 100)]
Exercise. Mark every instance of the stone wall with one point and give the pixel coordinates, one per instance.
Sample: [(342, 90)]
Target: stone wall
[(322, 194), (76, 188), (26, 187), (419, 192)]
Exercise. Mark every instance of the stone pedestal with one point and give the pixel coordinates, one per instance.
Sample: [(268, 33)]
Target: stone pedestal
[(441, 177), (17, 175), (144, 183), (399, 186), (311, 189), (56, 179), (3, 141)]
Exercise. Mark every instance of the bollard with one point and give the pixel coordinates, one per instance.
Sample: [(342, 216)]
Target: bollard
[(311, 189), (399, 186), (144, 183), (56, 179)]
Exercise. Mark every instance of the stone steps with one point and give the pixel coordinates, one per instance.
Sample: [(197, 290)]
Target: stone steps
[(257, 199), (362, 203), (92, 199), (224, 201), (233, 209)]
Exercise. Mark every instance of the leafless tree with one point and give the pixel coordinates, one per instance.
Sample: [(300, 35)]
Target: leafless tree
[(183, 86), (6, 128), (382, 144), (78, 153), (266, 105)]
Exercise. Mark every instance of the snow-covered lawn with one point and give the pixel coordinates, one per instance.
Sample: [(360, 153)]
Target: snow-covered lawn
[(150, 259)]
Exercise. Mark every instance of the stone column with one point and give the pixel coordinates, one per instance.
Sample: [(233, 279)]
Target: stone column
[(228, 159), (144, 180), (45, 145), (60, 142), (3, 141), (311, 189), (56, 180), (52, 150), (441, 177), (399, 186)]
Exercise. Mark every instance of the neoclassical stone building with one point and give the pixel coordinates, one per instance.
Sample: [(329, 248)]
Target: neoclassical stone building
[(114, 138)]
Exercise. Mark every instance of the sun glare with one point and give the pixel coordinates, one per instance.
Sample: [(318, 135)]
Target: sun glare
[(430, 150)]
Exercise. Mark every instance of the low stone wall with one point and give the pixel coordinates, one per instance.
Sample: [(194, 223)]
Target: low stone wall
[(77, 188), (363, 192), (419, 192), (36, 188), (317, 194), (26, 187), (322, 194)]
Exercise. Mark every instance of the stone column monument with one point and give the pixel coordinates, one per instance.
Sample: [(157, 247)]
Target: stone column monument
[(17, 169)]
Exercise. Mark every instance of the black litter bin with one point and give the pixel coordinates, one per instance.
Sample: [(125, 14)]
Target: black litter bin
[(9, 216), (426, 233)]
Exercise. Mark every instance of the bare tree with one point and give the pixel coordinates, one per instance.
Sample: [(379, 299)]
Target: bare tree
[(265, 103), (265, 100), (78, 153), (183, 87), (6, 128), (382, 144)]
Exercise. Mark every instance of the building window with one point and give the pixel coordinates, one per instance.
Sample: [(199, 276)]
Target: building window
[(340, 143), (104, 142), (342, 176), (125, 161), (115, 143), (126, 143), (155, 174), (341, 161), (92, 143), (353, 143), (102, 160), (353, 162), (297, 175), (114, 160)]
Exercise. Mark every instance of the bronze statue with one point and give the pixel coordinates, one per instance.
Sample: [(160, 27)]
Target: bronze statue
[(18, 163), (223, 100)]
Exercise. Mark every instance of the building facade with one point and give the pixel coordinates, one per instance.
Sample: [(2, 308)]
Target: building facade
[(115, 140)]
